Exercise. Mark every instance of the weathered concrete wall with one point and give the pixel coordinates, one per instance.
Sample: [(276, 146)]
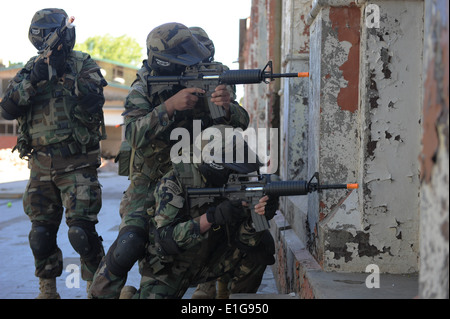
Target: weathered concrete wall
[(434, 231), (392, 119), (294, 111), (369, 102), (262, 101), (289, 229), (256, 56), (334, 134), (365, 126)]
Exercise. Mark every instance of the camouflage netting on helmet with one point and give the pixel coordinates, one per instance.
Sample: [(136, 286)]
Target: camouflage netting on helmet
[(174, 44)]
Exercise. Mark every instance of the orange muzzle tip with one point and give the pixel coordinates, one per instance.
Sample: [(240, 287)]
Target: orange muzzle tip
[(352, 186), (303, 75)]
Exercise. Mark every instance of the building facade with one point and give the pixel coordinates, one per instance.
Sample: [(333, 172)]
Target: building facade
[(374, 111)]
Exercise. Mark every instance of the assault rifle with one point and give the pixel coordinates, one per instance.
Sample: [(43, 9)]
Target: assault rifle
[(52, 42), (208, 76), (250, 188)]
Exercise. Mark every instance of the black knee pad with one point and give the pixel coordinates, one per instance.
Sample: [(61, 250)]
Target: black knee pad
[(84, 239), (79, 240), (42, 240), (128, 248)]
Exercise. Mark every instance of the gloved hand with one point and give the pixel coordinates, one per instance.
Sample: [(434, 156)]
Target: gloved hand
[(39, 72), (58, 62), (225, 213), (272, 207)]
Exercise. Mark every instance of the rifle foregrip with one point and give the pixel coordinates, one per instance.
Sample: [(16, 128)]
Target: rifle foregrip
[(252, 76), (286, 188)]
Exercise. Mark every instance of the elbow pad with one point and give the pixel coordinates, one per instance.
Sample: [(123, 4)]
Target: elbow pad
[(10, 110)]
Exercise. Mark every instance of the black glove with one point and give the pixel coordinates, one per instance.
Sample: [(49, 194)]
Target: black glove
[(58, 62), (39, 72), (225, 213), (271, 207)]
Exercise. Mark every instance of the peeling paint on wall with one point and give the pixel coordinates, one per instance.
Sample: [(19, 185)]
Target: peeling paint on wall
[(392, 65), (346, 22)]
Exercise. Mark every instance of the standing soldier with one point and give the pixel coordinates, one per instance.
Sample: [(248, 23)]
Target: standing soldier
[(57, 100), (151, 113)]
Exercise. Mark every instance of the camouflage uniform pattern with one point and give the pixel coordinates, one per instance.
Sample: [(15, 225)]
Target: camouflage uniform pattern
[(148, 129), (46, 195), (199, 257), (61, 141)]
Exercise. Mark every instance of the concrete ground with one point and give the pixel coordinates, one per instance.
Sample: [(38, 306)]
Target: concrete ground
[(17, 280)]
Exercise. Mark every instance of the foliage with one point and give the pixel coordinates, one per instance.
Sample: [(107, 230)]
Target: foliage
[(122, 49)]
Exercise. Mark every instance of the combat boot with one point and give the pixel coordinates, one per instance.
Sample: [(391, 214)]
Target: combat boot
[(127, 292), (205, 290), (88, 286), (47, 288), (222, 290)]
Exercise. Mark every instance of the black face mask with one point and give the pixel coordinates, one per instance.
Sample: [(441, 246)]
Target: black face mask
[(216, 175), (166, 68)]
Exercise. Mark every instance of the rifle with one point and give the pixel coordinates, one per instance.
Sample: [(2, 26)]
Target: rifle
[(208, 76), (53, 42), (251, 188)]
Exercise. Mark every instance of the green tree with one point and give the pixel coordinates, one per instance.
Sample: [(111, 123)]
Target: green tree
[(122, 49)]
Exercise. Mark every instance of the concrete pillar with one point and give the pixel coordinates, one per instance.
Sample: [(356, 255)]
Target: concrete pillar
[(262, 101), (256, 53), (293, 137), (365, 126), (294, 109), (434, 230)]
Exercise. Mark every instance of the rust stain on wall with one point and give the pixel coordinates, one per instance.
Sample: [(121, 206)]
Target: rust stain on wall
[(436, 103), (306, 291), (346, 21), (430, 140)]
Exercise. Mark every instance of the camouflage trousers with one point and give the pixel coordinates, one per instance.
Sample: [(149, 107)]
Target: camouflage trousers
[(137, 200), (50, 189), (169, 277)]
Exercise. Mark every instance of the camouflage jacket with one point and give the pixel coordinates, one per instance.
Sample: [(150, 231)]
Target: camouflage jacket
[(53, 117), (148, 126), (178, 218)]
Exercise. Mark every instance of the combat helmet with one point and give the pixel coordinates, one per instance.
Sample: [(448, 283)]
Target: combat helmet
[(224, 154), (45, 22), (203, 37), (172, 47)]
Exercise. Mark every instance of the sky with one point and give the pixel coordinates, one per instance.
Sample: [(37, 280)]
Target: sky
[(134, 18)]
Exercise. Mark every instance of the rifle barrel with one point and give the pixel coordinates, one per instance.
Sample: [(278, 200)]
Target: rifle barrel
[(290, 75), (339, 186)]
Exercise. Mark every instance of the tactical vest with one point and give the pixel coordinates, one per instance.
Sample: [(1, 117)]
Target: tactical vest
[(154, 161), (51, 121)]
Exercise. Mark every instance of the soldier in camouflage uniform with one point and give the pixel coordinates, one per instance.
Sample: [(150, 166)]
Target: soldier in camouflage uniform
[(208, 290), (193, 242), (59, 120), (151, 113)]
